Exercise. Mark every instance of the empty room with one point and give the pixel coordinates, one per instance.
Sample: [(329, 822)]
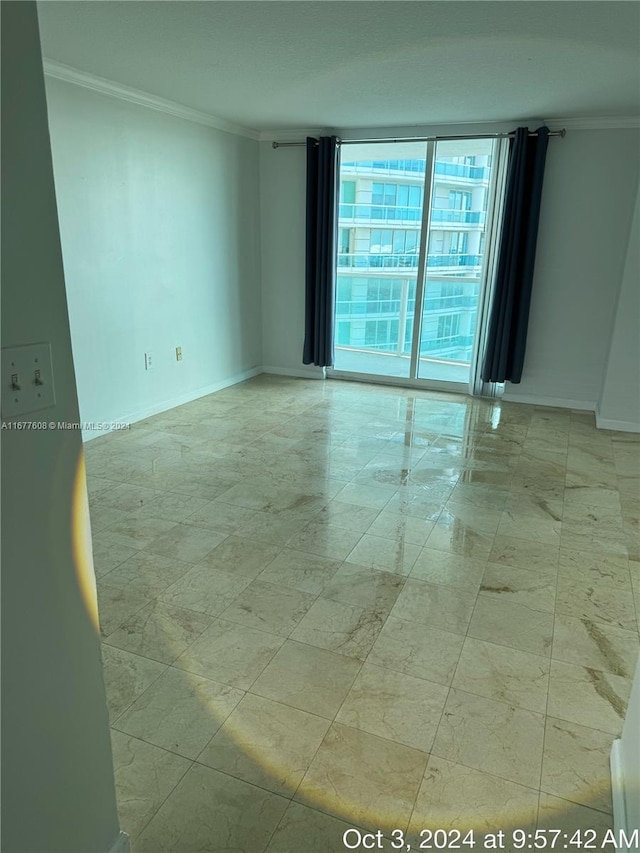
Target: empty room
[(320, 426)]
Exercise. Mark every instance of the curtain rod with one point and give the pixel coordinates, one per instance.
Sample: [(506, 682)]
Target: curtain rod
[(562, 133)]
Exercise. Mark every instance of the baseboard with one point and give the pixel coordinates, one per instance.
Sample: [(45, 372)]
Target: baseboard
[(618, 789), (165, 405), (122, 844), (619, 426), (301, 372), (553, 402)]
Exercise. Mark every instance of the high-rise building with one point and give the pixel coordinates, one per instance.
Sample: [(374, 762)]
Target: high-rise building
[(379, 226)]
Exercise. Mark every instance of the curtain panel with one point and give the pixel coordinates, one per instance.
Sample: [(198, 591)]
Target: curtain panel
[(509, 314), (322, 173)]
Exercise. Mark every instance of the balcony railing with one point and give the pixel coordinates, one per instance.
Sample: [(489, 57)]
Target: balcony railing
[(460, 170), (470, 217), (385, 309), (384, 212), (364, 260), (391, 213), (456, 170)]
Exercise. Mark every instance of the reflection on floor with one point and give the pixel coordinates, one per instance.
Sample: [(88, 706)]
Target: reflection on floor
[(330, 605)]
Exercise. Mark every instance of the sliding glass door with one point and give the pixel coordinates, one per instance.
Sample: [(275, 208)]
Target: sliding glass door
[(379, 229), (413, 230)]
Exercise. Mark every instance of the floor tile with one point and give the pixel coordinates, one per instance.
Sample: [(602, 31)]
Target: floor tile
[(144, 776), (185, 542), (524, 554), (347, 515), (138, 533), (404, 528), (531, 589), (172, 506), (595, 644), (267, 744), (544, 530), (272, 528), (417, 650), (480, 495), (451, 535), (424, 533), (423, 503), (491, 736), (480, 518), (328, 540), (598, 601), (159, 631), (306, 829), (395, 706), (103, 517), (434, 605), (205, 590), (240, 556), (363, 778), (117, 604), (180, 712), (209, 810), (230, 653), (392, 555), (512, 625), (305, 572), (575, 764), (271, 608), (364, 587), (126, 676), (447, 569), (215, 515), (453, 796), (149, 574), (555, 813), (374, 497), (508, 675), (340, 627), (588, 697), (127, 498), (308, 678), (108, 554)]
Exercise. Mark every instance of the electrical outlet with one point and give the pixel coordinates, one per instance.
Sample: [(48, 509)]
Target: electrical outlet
[(178, 353), (149, 361)]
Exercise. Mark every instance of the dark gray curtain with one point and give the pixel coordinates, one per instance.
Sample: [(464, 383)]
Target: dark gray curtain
[(320, 248), (509, 315)]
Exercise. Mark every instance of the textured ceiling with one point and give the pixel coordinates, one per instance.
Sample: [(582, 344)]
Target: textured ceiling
[(277, 65)]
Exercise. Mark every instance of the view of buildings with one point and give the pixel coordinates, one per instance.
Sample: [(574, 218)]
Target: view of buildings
[(380, 218)]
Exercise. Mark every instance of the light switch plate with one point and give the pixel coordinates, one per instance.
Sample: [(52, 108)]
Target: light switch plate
[(30, 369)]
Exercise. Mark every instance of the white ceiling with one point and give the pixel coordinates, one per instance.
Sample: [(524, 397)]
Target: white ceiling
[(312, 63)]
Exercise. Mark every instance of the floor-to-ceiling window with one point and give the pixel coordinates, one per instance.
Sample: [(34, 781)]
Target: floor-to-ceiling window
[(412, 225)]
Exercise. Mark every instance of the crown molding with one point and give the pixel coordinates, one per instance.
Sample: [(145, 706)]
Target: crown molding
[(59, 71), (586, 123), (289, 135), (594, 123)]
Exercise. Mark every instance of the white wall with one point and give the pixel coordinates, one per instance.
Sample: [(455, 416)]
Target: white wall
[(58, 791), (587, 204), (619, 406), (159, 227), (588, 197), (626, 765), (282, 241)]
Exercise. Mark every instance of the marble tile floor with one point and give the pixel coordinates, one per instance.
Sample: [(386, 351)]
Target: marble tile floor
[(328, 605)]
